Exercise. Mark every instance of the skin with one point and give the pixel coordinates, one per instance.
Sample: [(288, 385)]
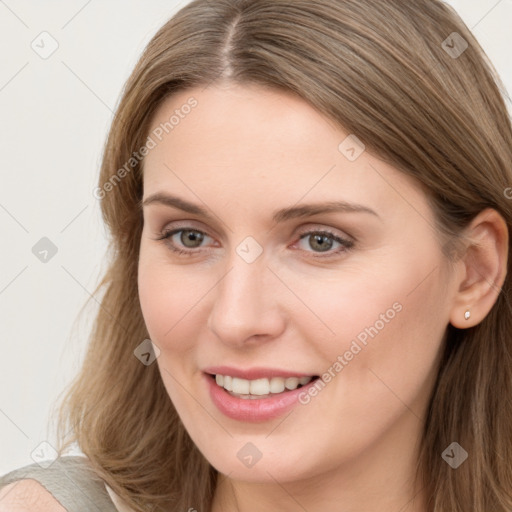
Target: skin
[(243, 153)]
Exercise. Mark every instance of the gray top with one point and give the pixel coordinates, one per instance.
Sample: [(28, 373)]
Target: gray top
[(72, 482)]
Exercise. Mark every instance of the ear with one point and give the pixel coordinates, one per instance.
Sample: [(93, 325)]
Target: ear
[(483, 268)]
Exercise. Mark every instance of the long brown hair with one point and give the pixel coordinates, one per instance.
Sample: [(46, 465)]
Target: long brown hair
[(394, 74)]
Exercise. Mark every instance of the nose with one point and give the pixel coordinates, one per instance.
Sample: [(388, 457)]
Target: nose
[(246, 307)]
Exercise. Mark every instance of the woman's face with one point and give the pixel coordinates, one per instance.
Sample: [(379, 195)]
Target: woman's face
[(274, 289)]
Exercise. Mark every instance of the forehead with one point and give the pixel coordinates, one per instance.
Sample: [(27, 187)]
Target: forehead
[(263, 147)]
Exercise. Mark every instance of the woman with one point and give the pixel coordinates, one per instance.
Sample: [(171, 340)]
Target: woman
[(307, 305)]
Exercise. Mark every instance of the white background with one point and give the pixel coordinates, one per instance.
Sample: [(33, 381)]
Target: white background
[(55, 114)]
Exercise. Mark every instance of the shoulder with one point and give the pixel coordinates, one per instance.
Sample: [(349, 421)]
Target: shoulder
[(28, 495), (66, 484)]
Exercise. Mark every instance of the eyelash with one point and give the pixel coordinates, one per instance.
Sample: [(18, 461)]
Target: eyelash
[(346, 244)]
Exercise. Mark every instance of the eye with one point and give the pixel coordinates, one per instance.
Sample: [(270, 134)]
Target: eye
[(190, 238), (322, 242)]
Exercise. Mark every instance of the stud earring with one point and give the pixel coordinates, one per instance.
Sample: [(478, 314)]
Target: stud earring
[(467, 314)]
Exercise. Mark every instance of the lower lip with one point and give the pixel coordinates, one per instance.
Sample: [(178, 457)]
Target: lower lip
[(254, 410)]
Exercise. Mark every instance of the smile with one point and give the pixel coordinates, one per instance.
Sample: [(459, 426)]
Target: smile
[(256, 400), (259, 388)]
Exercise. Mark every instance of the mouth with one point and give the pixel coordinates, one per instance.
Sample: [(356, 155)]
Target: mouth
[(262, 388), (256, 394)]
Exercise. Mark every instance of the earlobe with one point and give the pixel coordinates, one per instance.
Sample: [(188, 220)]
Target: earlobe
[(485, 268)]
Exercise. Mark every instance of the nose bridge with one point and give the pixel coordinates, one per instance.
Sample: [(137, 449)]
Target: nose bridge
[(245, 303)]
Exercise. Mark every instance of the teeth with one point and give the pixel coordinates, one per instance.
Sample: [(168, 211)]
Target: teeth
[(277, 385), (291, 383), (228, 383), (260, 387), (241, 386)]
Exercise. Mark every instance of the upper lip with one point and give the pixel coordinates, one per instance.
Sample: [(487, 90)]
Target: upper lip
[(253, 373)]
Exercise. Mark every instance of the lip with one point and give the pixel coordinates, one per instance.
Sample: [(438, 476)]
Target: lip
[(254, 410), (253, 373)]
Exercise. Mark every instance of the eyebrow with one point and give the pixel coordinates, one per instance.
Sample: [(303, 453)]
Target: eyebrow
[(292, 212)]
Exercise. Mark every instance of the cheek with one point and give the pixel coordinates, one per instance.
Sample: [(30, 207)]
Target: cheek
[(399, 345), (165, 300), (347, 305), (386, 321), (167, 303), (174, 301)]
